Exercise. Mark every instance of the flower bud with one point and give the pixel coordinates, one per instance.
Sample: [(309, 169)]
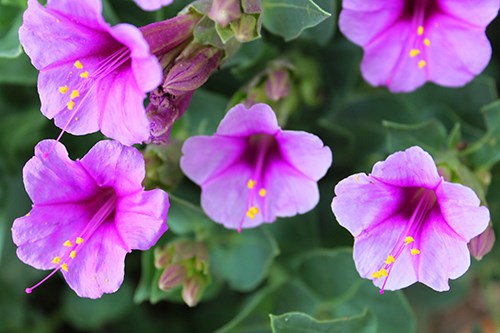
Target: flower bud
[(482, 244), (224, 11), (278, 84), (193, 290), (172, 277)]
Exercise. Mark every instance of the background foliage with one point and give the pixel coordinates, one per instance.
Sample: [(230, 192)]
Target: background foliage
[(296, 275)]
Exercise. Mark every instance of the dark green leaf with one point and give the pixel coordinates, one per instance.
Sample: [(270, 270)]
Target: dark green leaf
[(429, 135), (288, 18)]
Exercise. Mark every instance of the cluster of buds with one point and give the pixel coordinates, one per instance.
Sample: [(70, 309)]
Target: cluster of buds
[(184, 263)]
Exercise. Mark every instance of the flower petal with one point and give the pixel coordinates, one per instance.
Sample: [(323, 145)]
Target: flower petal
[(361, 203), (115, 166), (219, 153), (306, 152), (40, 235), (412, 167), (224, 197), (152, 4), (243, 122), (123, 116), (444, 255), (457, 53), (51, 177), (98, 267), (474, 12), (145, 67), (42, 26), (288, 191), (461, 211), (372, 247), (140, 218)]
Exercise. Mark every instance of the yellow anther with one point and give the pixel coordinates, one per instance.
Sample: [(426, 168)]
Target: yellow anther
[(390, 259), (68, 243), (58, 20), (28, 214), (56, 260), (408, 240), (63, 89), (414, 252), (84, 75), (79, 240), (251, 183), (70, 105), (78, 64), (252, 212), (414, 52), (427, 42), (64, 267), (356, 178), (76, 118), (422, 64), (380, 273), (420, 30), (74, 94), (72, 254), (262, 192)]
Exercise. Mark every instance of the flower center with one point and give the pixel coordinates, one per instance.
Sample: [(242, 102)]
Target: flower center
[(86, 81), (71, 247), (418, 13), (408, 241), (260, 149)]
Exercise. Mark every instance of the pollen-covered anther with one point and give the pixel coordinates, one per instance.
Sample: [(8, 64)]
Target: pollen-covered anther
[(64, 267), (415, 251), (74, 94), (56, 260), (420, 30), (380, 273), (79, 240), (78, 64), (390, 259), (252, 211), (84, 75), (427, 42), (72, 254), (262, 192), (251, 183), (68, 243), (422, 64), (408, 240), (414, 52), (70, 105), (63, 89)]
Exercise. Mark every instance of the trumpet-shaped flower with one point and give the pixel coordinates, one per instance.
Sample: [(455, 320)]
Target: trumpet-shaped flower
[(409, 223), (92, 76), (251, 171), (409, 42), (87, 215)]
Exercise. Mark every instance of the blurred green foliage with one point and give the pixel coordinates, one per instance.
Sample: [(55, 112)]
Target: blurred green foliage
[(294, 275)]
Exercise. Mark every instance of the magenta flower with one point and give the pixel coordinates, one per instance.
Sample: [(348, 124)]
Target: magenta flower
[(251, 171), (92, 76), (152, 4), (87, 214), (409, 42), (409, 223)]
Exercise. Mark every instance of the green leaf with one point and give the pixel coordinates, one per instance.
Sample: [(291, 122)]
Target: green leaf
[(18, 71), (323, 32), (255, 248), (486, 152), (15, 3), (9, 40), (296, 322), (91, 314), (430, 135), (288, 18)]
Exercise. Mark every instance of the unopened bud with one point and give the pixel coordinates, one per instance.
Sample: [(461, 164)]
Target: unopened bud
[(224, 11), (193, 290), (173, 276), (247, 28), (482, 244), (189, 74), (251, 6), (278, 84)]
